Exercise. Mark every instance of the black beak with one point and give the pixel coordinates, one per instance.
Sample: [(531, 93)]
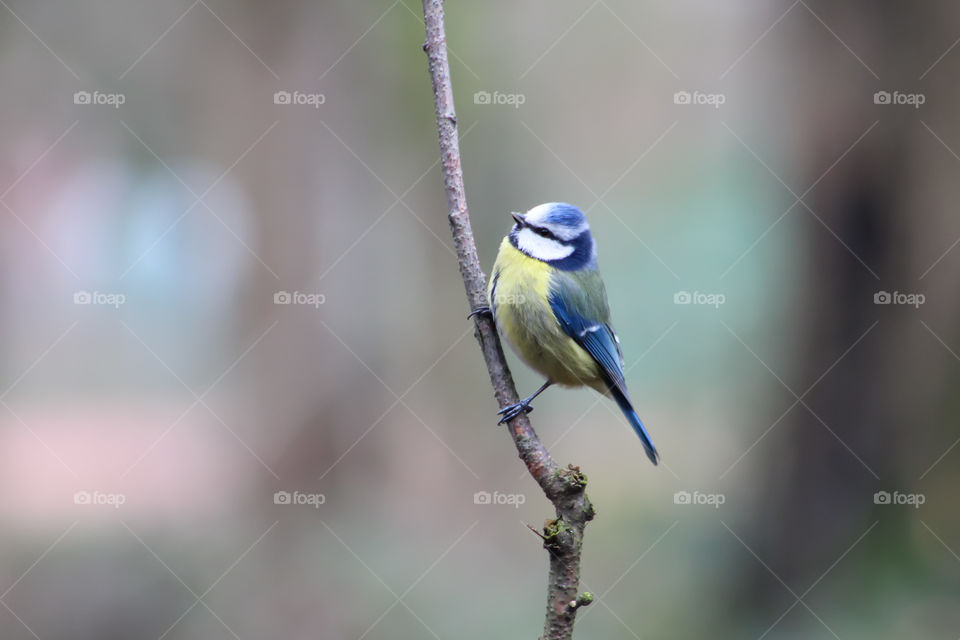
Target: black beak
[(519, 218)]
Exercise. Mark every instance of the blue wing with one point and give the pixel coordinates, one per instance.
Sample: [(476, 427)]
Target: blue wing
[(588, 325), (596, 337)]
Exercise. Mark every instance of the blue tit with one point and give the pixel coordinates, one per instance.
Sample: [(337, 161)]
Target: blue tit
[(549, 302)]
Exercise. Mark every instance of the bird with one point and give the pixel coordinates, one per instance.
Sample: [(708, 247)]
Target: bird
[(549, 302)]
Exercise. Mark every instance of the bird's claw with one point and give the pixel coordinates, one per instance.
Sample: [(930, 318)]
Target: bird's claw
[(484, 311), (512, 411)]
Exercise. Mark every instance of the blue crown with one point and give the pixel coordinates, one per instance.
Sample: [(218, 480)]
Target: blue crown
[(565, 215)]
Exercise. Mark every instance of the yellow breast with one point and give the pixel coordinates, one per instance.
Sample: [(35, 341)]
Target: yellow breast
[(519, 297)]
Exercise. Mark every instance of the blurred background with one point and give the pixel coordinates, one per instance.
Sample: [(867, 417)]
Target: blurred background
[(240, 398)]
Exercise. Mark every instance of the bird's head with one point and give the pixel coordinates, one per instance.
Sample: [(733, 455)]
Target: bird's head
[(556, 233)]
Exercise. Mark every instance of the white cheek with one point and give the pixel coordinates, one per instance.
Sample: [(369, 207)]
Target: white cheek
[(542, 248)]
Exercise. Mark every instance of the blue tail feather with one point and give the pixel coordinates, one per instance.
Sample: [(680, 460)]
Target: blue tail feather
[(624, 403)]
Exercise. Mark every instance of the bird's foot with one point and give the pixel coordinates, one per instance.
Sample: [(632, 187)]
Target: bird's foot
[(480, 311), (509, 413)]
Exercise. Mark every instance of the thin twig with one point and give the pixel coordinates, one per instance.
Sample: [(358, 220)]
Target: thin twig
[(565, 488)]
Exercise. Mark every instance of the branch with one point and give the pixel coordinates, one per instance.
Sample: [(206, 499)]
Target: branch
[(565, 488)]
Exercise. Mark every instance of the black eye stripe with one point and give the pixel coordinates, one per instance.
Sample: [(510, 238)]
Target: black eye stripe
[(542, 232)]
